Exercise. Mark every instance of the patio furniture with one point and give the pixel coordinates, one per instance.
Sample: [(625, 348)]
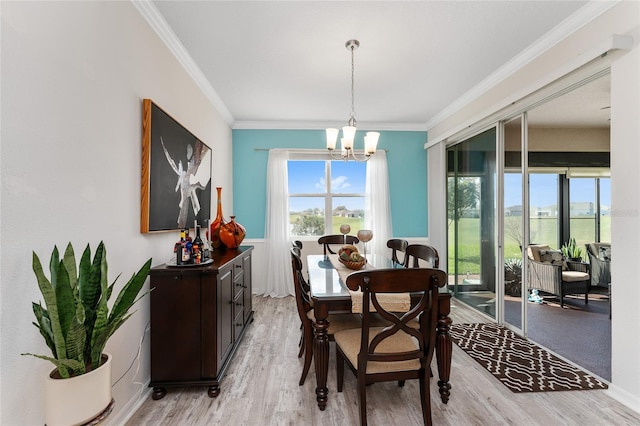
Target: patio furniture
[(549, 273), (600, 262)]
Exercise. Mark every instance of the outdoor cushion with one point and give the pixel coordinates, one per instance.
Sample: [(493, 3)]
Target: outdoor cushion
[(604, 253), (551, 256), (573, 276), (533, 251)]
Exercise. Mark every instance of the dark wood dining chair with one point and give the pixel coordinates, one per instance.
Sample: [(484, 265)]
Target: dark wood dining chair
[(337, 322), (397, 352), (427, 253), (328, 240), (398, 245)]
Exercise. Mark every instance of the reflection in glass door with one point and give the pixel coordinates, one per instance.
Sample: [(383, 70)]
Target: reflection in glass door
[(471, 207), (513, 213)]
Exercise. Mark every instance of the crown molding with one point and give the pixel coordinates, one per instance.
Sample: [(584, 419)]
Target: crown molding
[(158, 24), (583, 16), (315, 125)]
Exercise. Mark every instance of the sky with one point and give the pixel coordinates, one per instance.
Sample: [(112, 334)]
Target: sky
[(543, 190), (309, 177)]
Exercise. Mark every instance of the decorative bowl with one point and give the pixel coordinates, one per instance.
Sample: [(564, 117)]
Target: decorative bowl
[(353, 265)]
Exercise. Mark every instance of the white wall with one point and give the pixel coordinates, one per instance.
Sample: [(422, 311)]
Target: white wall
[(622, 19), (73, 78)]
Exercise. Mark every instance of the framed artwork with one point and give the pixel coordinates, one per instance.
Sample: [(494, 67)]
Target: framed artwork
[(176, 174)]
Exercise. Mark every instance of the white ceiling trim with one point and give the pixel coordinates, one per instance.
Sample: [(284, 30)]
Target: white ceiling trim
[(585, 67), (576, 21), (157, 22), (297, 125)]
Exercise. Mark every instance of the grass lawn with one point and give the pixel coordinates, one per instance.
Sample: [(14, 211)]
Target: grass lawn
[(543, 231)]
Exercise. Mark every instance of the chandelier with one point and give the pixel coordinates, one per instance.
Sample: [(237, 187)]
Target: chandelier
[(349, 131)]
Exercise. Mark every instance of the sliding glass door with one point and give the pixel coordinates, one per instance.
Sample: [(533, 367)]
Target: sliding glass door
[(471, 213)]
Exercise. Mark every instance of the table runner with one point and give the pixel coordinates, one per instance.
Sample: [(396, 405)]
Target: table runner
[(393, 302)]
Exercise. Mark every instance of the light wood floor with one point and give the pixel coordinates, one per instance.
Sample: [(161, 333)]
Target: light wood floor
[(261, 388)]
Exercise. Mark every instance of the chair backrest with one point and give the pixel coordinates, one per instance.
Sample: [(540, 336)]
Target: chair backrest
[(301, 287), (396, 245), (375, 282), (328, 240), (424, 252), (298, 246)]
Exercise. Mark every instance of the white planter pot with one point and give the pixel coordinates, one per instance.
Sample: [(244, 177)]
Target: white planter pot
[(77, 400)]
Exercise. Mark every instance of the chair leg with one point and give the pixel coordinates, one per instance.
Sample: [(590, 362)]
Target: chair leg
[(401, 383), (586, 294), (425, 399), (308, 352), (301, 344), (362, 393), (339, 369)]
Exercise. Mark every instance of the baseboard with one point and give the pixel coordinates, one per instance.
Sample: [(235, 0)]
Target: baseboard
[(624, 397), (131, 406)]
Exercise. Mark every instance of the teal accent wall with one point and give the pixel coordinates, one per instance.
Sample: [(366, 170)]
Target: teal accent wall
[(406, 159)]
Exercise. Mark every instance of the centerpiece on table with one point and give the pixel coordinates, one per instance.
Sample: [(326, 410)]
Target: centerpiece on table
[(349, 256)]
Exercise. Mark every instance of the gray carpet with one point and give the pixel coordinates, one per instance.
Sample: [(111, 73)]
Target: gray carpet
[(581, 333)]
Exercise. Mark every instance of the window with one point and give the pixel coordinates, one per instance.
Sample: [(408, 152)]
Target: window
[(324, 194)]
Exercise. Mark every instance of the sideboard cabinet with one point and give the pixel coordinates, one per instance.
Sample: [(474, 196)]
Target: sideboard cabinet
[(199, 315)]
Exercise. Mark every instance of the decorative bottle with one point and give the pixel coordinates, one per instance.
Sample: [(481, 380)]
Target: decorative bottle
[(232, 234), (177, 249), (217, 223), (197, 241)]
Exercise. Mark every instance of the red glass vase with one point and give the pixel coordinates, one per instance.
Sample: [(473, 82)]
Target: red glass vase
[(216, 225), (232, 234)]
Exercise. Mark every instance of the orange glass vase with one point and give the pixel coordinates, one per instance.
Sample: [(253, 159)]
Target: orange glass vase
[(232, 234), (216, 225)]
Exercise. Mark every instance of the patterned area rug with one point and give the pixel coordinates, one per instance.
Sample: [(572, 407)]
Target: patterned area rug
[(519, 364)]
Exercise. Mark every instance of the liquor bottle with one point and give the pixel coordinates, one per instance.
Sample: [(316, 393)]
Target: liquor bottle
[(186, 249), (177, 249), (198, 240)]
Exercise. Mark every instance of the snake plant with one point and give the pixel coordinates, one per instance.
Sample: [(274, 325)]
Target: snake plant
[(75, 321), (571, 250)]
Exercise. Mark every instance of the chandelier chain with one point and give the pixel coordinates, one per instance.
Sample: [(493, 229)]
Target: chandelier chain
[(353, 109)]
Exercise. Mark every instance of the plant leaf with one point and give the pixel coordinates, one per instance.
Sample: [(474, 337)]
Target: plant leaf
[(63, 365), (69, 260), (44, 325), (65, 300), (48, 293), (129, 293)]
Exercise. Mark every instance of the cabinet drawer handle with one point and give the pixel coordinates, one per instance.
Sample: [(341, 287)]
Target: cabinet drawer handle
[(238, 304), (240, 285)]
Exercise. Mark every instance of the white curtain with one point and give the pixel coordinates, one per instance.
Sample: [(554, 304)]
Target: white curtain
[(279, 278), (377, 205)]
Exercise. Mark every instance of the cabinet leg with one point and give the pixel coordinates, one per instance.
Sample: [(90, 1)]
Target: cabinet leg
[(158, 393), (213, 391)]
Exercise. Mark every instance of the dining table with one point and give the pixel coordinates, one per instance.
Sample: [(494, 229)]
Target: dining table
[(330, 295)]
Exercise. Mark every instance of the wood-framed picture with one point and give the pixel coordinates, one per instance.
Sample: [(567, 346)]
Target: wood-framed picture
[(176, 174)]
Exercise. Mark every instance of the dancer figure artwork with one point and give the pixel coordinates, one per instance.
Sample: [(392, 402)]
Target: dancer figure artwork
[(178, 174)]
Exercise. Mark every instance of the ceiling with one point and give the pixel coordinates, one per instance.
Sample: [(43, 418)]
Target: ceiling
[(283, 64)]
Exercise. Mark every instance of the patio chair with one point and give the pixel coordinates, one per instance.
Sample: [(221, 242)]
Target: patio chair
[(548, 272), (600, 262)]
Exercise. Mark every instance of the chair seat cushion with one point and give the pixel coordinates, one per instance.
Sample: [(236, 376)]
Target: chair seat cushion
[(349, 342), (339, 322), (572, 276)]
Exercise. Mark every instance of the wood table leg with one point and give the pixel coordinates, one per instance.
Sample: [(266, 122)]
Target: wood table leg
[(321, 354), (444, 348)]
